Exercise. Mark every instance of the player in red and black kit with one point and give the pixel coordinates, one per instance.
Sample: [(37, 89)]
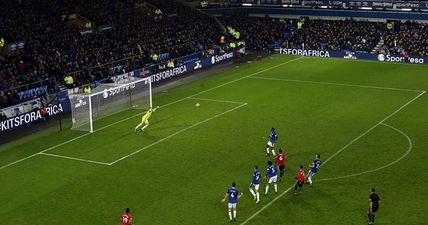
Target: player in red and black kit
[(300, 180), (126, 218), (280, 161)]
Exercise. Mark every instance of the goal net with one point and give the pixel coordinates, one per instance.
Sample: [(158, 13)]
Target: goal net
[(108, 99)]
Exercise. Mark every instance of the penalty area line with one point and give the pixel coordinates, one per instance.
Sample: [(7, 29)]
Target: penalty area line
[(267, 205), (48, 149), (176, 133), (217, 100), (76, 159)]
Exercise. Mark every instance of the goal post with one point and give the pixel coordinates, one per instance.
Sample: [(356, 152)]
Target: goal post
[(108, 99)]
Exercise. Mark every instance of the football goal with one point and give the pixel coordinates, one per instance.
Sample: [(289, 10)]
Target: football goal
[(108, 99)]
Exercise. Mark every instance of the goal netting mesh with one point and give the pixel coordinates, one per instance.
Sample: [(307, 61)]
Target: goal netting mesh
[(108, 99)]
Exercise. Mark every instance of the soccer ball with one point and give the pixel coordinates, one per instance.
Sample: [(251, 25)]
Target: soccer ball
[(197, 104)]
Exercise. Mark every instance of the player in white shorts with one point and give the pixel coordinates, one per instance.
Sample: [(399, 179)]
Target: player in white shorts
[(255, 184), (233, 195), (272, 176), (273, 137)]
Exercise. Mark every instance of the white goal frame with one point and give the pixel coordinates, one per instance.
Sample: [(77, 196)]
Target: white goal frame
[(124, 85)]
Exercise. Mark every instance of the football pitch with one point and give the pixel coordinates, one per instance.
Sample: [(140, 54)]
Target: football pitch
[(367, 120)]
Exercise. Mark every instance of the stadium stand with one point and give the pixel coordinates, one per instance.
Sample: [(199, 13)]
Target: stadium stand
[(350, 35), (260, 33), (45, 44), (410, 37), (53, 48), (265, 33)]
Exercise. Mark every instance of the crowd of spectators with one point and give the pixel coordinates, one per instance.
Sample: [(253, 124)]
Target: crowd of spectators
[(53, 49), (349, 34), (263, 33), (260, 33), (409, 37)]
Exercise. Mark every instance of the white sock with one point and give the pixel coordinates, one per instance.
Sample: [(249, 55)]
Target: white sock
[(258, 196), (267, 189), (252, 192), (234, 213), (310, 179), (267, 150), (273, 151), (276, 187), (230, 215)]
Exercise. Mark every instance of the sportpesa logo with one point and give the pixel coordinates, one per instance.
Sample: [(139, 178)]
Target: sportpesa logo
[(198, 65), (105, 93), (80, 103), (381, 57), (219, 58), (390, 58), (113, 91)]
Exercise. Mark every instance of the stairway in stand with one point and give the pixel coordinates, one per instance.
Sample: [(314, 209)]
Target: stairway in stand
[(378, 46)]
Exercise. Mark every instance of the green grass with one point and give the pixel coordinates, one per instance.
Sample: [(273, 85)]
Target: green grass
[(188, 157)]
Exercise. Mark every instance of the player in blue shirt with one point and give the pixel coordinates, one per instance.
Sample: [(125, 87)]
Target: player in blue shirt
[(273, 137), (271, 175), (255, 183), (233, 195), (314, 168)]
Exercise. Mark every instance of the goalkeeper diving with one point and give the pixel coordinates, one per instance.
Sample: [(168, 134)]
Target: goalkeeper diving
[(145, 119)]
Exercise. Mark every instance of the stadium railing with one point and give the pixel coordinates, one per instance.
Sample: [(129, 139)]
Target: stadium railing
[(28, 91), (127, 64), (321, 13)]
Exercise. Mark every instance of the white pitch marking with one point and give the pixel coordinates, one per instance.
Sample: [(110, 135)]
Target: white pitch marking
[(337, 152), (267, 205), (73, 158), (217, 100), (120, 121), (174, 134), (337, 84), (258, 72), (409, 149), (48, 149), (373, 127)]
